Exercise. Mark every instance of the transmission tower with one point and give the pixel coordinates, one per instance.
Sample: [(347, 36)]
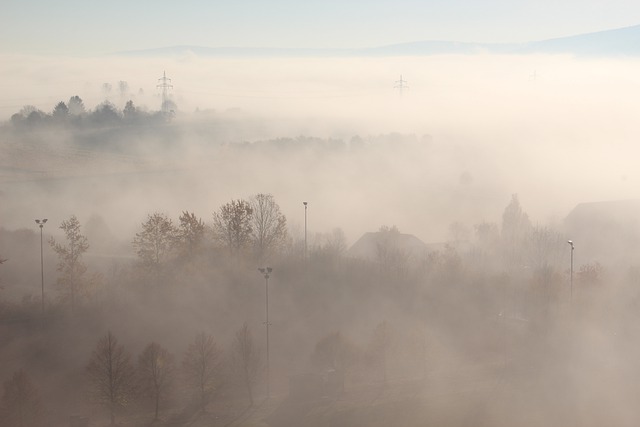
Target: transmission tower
[(164, 83), (401, 85)]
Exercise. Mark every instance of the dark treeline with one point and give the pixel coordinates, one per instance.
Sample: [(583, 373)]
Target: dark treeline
[(74, 115), (177, 331)]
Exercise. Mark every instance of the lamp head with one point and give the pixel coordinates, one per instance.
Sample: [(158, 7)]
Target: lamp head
[(304, 203)]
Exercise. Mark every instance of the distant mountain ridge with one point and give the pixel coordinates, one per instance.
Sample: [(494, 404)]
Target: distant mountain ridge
[(617, 42)]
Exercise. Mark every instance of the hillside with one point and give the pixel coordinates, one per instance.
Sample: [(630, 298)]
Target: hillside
[(616, 42)]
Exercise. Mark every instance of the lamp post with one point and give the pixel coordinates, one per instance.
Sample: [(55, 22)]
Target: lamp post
[(305, 230), (41, 223), (570, 242), (266, 271)]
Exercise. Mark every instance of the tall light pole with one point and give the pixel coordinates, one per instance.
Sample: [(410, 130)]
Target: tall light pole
[(570, 242), (41, 223), (305, 230), (266, 271)]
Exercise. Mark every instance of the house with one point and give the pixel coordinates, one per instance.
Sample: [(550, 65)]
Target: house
[(605, 231), (387, 243)]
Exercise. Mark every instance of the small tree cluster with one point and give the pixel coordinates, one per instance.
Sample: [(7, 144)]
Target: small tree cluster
[(115, 382), (239, 227)]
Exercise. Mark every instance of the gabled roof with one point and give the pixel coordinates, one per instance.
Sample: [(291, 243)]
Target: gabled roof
[(367, 246), (605, 231), (618, 211)]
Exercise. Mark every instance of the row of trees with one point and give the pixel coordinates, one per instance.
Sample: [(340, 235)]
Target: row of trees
[(242, 227), (115, 381), (74, 113), (155, 381), (255, 228), (469, 292)]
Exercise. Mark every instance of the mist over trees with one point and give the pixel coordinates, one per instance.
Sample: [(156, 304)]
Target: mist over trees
[(74, 115), (21, 404), (489, 305), (494, 296)]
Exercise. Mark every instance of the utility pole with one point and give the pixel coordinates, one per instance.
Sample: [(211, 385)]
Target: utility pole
[(305, 231), (400, 85), (41, 223), (266, 271), (164, 83), (571, 269)]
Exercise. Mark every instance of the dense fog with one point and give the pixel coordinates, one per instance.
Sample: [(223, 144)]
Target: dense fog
[(428, 279)]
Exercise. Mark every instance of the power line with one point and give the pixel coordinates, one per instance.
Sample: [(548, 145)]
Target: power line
[(164, 83), (401, 85)]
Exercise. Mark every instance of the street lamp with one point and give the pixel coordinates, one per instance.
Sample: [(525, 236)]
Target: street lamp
[(305, 230), (266, 271), (570, 242), (41, 223)]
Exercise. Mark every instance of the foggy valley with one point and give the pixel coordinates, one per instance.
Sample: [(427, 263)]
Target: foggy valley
[(460, 252)]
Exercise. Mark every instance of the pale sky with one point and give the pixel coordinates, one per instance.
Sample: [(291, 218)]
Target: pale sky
[(86, 27)]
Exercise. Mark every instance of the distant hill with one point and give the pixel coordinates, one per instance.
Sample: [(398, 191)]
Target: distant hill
[(617, 42)]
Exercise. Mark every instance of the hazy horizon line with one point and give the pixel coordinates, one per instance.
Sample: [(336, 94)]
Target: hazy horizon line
[(502, 47)]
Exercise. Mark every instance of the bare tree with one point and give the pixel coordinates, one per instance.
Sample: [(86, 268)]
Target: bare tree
[(245, 359), (21, 405), (70, 263), (190, 233), (156, 240), (232, 225), (202, 368), (111, 375), (156, 368), (269, 225)]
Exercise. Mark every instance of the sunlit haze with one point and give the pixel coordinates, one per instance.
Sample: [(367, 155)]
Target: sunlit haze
[(321, 213)]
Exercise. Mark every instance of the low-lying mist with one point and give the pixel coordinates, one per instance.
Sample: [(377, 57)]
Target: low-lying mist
[(491, 310), (556, 130)]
